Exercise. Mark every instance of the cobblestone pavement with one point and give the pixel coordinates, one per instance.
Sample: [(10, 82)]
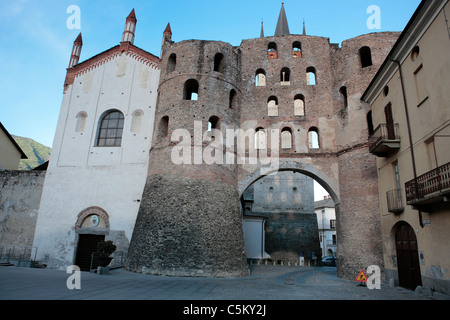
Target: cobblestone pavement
[(264, 283)]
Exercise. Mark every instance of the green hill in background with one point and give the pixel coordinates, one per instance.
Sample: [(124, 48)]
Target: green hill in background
[(37, 153)]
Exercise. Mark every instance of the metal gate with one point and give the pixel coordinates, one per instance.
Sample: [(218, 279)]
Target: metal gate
[(87, 244)]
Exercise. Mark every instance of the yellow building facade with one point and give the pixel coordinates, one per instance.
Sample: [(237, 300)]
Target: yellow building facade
[(409, 128)]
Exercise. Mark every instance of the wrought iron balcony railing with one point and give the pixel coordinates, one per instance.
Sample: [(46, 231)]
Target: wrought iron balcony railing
[(394, 201), (384, 140), (430, 187)]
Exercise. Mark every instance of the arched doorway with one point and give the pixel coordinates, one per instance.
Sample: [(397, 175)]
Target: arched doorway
[(284, 201), (92, 226), (407, 256)]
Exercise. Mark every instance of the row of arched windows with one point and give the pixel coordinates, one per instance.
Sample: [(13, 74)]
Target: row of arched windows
[(299, 106), (110, 126), (365, 53), (218, 63), (285, 77), (287, 138), (272, 50), (191, 92), (260, 134)]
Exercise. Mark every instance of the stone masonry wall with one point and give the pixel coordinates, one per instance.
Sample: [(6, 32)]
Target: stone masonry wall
[(20, 195)]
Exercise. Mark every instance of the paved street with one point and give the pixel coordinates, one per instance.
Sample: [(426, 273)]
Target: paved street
[(290, 286), (264, 283)]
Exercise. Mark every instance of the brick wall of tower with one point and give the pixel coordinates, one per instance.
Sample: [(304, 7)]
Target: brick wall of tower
[(189, 222)]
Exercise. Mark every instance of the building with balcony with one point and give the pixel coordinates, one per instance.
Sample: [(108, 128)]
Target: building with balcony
[(410, 109), (326, 221)]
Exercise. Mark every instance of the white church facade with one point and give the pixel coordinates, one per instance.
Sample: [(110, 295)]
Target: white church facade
[(99, 159)]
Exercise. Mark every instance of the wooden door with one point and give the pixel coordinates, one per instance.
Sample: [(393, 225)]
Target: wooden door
[(87, 244), (407, 257)]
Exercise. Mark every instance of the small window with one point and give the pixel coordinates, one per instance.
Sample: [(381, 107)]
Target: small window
[(163, 128), (313, 138), (172, 63), (343, 92), (213, 123), (285, 76), (272, 105), (297, 49), (219, 63), (233, 99), (311, 76), (286, 138), (260, 80), (299, 105), (272, 51), (365, 55), (386, 91), (111, 129), (191, 90)]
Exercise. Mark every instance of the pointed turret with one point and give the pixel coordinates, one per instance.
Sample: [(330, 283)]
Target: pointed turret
[(167, 38), (304, 28), (76, 51), (282, 25), (262, 29), (168, 31), (130, 28)]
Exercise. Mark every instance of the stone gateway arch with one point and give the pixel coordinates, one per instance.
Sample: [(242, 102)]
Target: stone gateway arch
[(300, 95)]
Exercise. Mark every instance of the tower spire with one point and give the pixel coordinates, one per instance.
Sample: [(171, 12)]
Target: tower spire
[(282, 25), (130, 28), (76, 51), (167, 38), (262, 29), (304, 28)]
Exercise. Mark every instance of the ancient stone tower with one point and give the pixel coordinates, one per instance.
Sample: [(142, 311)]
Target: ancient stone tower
[(189, 222), (300, 96)]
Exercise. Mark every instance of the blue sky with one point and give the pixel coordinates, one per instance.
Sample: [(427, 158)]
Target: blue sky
[(36, 42)]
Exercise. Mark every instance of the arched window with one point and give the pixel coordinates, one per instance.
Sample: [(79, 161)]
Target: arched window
[(285, 76), (172, 63), (213, 123), (163, 128), (233, 99), (297, 49), (110, 129), (136, 121), (81, 121), (191, 90), (343, 92), (311, 76), (313, 138), (272, 106), (366, 57), (272, 51), (260, 80), (286, 138), (299, 105), (260, 139), (218, 62)]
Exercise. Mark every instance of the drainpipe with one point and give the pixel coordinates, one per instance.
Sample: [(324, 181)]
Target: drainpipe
[(408, 124)]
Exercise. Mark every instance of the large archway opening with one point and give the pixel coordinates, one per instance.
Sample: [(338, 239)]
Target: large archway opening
[(289, 217)]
